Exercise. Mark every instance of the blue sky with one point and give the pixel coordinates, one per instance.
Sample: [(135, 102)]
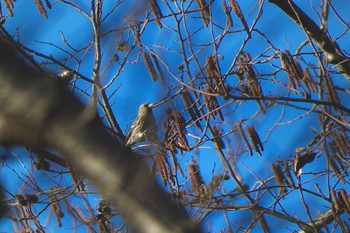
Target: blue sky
[(136, 87)]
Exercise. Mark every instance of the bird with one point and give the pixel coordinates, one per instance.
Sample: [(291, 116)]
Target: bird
[(143, 127)]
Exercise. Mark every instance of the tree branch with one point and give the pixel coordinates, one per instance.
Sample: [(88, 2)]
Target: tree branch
[(39, 112), (320, 37)]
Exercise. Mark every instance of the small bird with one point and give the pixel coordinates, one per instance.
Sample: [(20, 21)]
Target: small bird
[(144, 126)]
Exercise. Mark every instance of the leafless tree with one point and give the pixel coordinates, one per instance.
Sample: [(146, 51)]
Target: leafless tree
[(228, 93)]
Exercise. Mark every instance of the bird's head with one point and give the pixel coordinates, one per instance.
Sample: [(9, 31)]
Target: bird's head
[(145, 107)]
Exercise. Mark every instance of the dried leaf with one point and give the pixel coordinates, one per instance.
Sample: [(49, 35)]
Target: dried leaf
[(302, 157)]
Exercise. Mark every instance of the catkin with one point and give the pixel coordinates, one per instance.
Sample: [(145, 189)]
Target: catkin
[(237, 10), (217, 138), (9, 6), (156, 11), (195, 178), (41, 8), (212, 104), (244, 138), (279, 177), (345, 200), (229, 21), (163, 167), (335, 200), (191, 107), (335, 168), (202, 5), (255, 139), (149, 66)]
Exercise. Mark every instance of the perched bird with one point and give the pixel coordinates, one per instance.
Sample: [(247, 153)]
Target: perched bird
[(144, 126)]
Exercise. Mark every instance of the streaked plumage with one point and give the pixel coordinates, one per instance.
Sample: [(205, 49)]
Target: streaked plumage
[(144, 126)]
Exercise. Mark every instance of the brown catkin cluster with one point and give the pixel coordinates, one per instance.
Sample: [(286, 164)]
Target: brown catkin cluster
[(212, 104), (289, 179), (156, 62), (335, 168), (344, 199), (244, 139), (309, 83), (341, 201), (335, 200), (253, 87), (191, 107), (253, 136), (330, 90), (175, 135), (229, 21), (146, 57), (340, 139), (137, 34), (202, 5), (9, 6), (214, 73), (279, 177), (254, 139), (149, 65), (163, 168), (195, 178), (237, 10), (292, 68), (41, 8), (217, 138), (156, 11), (337, 162)]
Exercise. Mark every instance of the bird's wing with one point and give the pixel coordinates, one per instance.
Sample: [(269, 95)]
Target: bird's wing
[(132, 128)]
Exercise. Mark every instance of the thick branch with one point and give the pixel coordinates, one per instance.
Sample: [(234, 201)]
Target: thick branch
[(320, 37), (39, 112)]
